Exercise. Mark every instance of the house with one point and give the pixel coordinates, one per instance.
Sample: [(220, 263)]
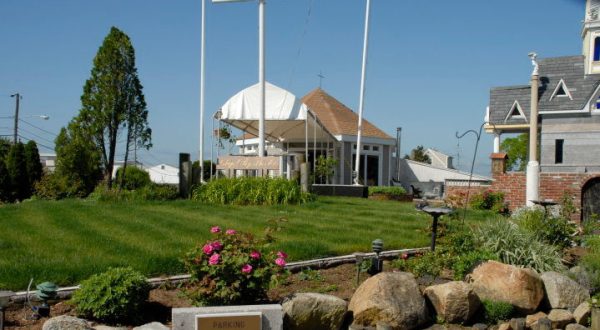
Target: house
[(48, 161), (560, 108), (298, 129), (163, 174)]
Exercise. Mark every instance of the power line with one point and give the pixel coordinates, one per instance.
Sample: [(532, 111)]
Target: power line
[(39, 137), (39, 128), (39, 144)]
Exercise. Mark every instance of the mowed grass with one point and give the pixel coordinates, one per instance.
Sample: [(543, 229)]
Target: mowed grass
[(67, 241)]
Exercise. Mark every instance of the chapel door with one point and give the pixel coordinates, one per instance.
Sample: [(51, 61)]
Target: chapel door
[(590, 200)]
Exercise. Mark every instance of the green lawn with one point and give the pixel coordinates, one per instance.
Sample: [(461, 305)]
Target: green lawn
[(67, 241)]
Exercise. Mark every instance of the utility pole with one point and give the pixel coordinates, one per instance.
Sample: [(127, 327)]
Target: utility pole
[(16, 127)]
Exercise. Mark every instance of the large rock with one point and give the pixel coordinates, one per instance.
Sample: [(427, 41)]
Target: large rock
[(563, 292), (560, 318), (542, 324), (582, 313), (389, 298), (575, 326), (455, 302), (521, 287), (65, 322), (314, 311), (152, 326)]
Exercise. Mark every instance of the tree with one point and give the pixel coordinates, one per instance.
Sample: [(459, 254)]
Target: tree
[(516, 149), (17, 171), (418, 155), (5, 184), (325, 168), (33, 164), (112, 100)]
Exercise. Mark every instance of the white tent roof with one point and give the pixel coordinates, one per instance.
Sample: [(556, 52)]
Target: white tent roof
[(285, 114)]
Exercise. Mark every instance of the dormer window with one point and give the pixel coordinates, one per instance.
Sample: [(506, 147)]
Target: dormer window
[(515, 112), (561, 90)]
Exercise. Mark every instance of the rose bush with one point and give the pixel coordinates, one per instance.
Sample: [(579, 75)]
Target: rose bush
[(232, 268)]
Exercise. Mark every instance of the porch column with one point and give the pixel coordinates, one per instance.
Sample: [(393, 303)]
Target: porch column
[(496, 142), (533, 167)]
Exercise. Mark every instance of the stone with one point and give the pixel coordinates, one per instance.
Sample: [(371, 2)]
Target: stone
[(392, 298), (575, 326), (314, 311), (521, 287), (582, 313), (106, 327), (562, 292), (560, 318), (542, 324), (272, 315), (454, 302), (517, 324), (479, 326), (504, 326), (581, 276), (65, 322), (531, 319), (152, 326)]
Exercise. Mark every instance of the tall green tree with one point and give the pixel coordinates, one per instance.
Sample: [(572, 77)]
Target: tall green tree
[(418, 155), (516, 149), (5, 183), (33, 164), (112, 100), (17, 170)]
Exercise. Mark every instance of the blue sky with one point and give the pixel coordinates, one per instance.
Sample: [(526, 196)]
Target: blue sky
[(431, 63)]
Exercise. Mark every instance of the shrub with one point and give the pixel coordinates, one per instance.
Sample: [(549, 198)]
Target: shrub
[(151, 192), (250, 191), (113, 296), (463, 264), (232, 268), (591, 261), (390, 191), (557, 231), (429, 263), (518, 247), (495, 311), (53, 186), (135, 178), (489, 200)]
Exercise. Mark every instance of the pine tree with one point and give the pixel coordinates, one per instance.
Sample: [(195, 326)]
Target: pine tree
[(17, 170), (5, 183), (33, 164)]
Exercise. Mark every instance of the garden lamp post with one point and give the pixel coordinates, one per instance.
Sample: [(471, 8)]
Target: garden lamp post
[(4, 300), (45, 291), (377, 247)]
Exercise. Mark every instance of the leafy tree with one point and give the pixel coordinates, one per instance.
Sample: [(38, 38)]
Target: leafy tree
[(112, 100), (135, 178), (209, 167), (17, 171), (418, 155), (77, 161), (516, 149), (33, 164), (325, 168)]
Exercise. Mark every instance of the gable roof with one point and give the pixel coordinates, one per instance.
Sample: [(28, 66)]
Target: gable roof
[(338, 118)]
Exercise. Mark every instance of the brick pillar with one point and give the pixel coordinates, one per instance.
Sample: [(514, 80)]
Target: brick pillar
[(498, 163)]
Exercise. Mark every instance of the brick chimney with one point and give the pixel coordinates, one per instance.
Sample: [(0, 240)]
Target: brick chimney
[(498, 163)]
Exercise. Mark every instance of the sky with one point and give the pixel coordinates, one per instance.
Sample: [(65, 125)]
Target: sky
[(431, 63)]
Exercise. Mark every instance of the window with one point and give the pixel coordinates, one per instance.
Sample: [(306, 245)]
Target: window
[(515, 112), (597, 49), (561, 90), (375, 148), (367, 148), (558, 151)]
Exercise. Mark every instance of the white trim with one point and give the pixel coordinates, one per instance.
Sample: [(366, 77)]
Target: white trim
[(517, 106), (366, 140), (562, 112), (565, 89)]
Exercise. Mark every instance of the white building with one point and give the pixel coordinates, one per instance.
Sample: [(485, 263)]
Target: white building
[(164, 174)]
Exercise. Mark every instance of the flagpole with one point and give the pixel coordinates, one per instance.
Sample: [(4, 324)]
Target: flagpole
[(362, 93), (261, 77), (202, 74)]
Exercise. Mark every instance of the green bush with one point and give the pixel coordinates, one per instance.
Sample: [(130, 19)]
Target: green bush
[(591, 261), (557, 231), (250, 191), (135, 178), (518, 247), (429, 263), (151, 192), (495, 311), (465, 263), (232, 268), (113, 296), (489, 200), (53, 186), (390, 191)]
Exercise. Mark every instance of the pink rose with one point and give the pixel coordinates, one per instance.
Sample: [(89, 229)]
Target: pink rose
[(404, 256), (215, 229), (282, 255), (255, 255), (216, 245), (207, 249), (230, 232), (280, 262), (246, 269), (214, 259)]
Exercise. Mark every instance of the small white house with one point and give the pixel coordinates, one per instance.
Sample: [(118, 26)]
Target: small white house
[(164, 174)]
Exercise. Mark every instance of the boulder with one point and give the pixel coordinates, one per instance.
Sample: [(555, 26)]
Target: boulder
[(560, 318), (531, 319), (504, 326), (517, 324), (390, 298), (521, 287), (542, 324), (582, 313), (455, 302), (314, 311), (65, 322), (575, 326), (152, 326), (563, 292), (479, 326), (582, 276)]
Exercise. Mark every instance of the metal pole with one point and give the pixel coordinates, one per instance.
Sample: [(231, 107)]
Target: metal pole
[(362, 91), (261, 77), (17, 96), (202, 74), (398, 136)]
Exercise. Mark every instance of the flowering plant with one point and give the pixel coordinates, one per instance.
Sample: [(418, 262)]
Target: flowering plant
[(232, 268)]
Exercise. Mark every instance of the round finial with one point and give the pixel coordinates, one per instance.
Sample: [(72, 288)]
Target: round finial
[(377, 246)]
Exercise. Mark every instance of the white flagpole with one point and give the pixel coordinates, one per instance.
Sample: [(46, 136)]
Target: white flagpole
[(261, 77), (202, 74), (362, 93)]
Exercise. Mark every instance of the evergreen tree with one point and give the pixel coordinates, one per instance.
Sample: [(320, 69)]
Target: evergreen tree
[(5, 183), (33, 164), (17, 170), (113, 100), (4, 148)]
